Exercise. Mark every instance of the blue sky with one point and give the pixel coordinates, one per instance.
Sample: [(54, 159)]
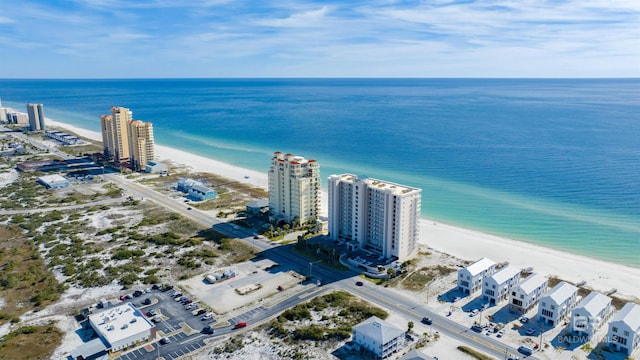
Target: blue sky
[(299, 38)]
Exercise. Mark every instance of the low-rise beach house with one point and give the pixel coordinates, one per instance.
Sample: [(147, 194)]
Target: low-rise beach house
[(525, 295), (590, 314), (378, 337), (557, 304), (470, 278), (624, 329), (497, 287)]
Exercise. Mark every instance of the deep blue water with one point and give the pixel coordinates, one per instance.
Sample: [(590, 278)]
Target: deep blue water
[(554, 162)]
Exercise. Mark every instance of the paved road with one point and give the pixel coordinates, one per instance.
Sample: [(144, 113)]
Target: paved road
[(342, 280)]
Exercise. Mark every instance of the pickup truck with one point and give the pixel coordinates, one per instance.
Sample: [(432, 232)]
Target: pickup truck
[(240, 325)]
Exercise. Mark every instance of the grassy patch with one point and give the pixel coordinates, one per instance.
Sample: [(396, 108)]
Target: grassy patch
[(337, 312), (26, 283), (473, 353), (30, 342), (416, 280)]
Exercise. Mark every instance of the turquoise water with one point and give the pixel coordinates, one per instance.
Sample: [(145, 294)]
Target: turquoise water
[(551, 162)]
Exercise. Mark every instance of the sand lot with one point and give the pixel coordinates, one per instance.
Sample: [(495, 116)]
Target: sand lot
[(251, 277)]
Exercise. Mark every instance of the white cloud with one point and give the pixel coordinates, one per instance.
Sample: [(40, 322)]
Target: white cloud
[(302, 19)]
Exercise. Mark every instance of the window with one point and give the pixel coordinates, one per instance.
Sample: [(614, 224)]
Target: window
[(553, 307), (547, 313), (544, 304), (615, 329), (626, 333)]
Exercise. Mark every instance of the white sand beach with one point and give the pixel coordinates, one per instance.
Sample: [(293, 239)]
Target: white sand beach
[(460, 242)]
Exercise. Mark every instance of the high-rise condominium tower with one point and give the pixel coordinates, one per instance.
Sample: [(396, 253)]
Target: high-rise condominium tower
[(141, 144), (294, 188), (114, 134), (380, 216), (36, 116)]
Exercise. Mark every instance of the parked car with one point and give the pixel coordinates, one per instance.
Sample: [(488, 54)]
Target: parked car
[(165, 340), (147, 301), (207, 316), (240, 325), (426, 320), (137, 293), (525, 350), (151, 313), (524, 319), (477, 328), (208, 330), (531, 331), (359, 283), (280, 288)]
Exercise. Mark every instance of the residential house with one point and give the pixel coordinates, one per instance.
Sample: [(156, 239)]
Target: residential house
[(378, 337), (590, 314), (557, 304), (624, 329), (525, 295), (497, 287), (470, 278)]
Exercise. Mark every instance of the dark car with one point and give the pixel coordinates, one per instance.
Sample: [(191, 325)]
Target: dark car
[(165, 340), (477, 328), (208, 330), (137, 293), (147, 301), (189, 208), (426, 320), (359, 283), (201, 311)]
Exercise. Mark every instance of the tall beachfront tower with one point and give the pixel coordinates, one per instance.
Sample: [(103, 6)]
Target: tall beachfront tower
[(114, 134), (141, 144), (294, 188), (378, 215), (36, 116)]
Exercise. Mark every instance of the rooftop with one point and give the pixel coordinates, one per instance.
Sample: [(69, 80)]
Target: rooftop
[(630, 315), (480, 266), (594, 302), (119, 322), (505, 274), (52, 179), (378, 329), (532, 282), (562, 292)]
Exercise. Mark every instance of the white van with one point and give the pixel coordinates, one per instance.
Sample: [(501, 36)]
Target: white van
[(525, 350)]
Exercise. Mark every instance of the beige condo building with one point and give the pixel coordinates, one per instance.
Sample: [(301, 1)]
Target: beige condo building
[(127, 140), (141, 144), (294, 188), (114, 134)]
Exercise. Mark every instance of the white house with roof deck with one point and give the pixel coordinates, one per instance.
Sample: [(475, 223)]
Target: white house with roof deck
[(470, 278), (378, 337), (558, 303), (590, 314), (527, 293), (122, 326), (497, 287), (624, 329)]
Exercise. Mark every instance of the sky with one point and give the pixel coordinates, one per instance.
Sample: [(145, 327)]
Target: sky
[(304, 38)]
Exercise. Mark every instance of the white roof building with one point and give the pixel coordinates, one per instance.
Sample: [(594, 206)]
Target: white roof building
[(590, 314), (378, 337), (497, 287), (558, 303), (470, 278), (624, 329), (53, 181), (376, 214), (122, 326), (527, 293)]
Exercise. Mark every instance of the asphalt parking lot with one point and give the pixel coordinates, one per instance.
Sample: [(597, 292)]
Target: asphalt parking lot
[(170, 317)]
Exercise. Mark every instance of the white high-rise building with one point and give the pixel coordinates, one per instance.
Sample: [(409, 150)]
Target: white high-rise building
[(294, 188), (378, 215)]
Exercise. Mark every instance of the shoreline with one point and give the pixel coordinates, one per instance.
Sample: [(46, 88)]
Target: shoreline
[(457, 241)]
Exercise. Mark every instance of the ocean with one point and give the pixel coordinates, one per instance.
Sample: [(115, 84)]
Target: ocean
[(555, 162)]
